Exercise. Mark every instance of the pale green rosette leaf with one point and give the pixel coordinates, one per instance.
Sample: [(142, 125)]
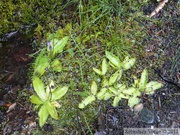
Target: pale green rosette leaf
[(43, 115), (41, 63), (97, 71), (100, 94), (94, 88), (121, 87), (113, 90), (104, 66), (105, 83), (107, 95), (115, 77), (116, 101), (60, 44), (35, 100), (129, 91), (113, 59), (51, 110), (137, 93), (50, 88), (127, 64), (152, 86), (133, 101), (56, 65), (136, 81), (123, 96), (56, 104), (39, 88), (59, 92), (86, 101), (143, 80)]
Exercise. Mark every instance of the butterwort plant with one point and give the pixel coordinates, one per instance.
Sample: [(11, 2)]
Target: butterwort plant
[(112, 87), (46, 99)]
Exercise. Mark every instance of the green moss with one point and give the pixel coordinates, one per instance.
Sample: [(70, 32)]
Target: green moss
[(17, 13)]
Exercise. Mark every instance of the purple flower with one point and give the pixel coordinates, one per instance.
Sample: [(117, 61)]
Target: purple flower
[(49, 44)]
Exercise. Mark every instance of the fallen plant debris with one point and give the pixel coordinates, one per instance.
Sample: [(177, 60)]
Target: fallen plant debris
[(158, 8)]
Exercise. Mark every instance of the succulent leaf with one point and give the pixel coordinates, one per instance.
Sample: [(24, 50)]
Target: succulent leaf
[(104, 66), (60, 44), (97, 71), (56, 65), (143, 80), (35, 100), (94, 88), (113, 59), (152, 86), (51, 110), (59, 93), (87, 101), (39, 88), (100, 94), (116, 101), (43, 115)]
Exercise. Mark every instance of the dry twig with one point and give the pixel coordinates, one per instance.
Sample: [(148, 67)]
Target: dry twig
[(158, 8)]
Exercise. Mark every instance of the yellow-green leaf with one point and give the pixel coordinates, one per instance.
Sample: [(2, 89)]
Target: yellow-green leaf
[(113, 90), (129, 91), (123, 96), (143, 80), (39, 88), (43, 115), (114, 77), (68, 27), (56, 104), (59, 46), (97, 71), (116, 101), (41, 63), (50, 88), (52, 110), (113, 59), (133, 101), (105, 83), (35, 100), (87, 101), (100, 94), (104, 66), (59, 92), (56, 65), (129, 63), (107, 96), (152, 86), (94, 88)]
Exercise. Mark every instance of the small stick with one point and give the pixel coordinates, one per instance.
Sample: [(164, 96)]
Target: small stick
[(158, 8)]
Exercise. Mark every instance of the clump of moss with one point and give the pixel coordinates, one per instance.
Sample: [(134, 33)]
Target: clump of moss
[(14, 14)]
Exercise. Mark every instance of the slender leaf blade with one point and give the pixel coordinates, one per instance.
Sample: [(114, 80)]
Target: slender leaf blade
[(35, 100), (87, 101), (59, 92), (97, 71), (59, 46), (56, 65), (113, 59), (39, 88), (143, 80), (43, 115), (104, 66), (94, 88), (51, 110), (152, 86)]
